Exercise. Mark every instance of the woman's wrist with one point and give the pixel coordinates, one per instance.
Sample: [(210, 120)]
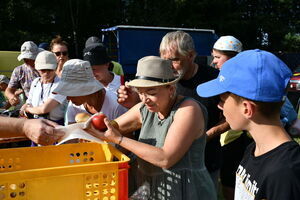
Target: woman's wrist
[(120, 140)]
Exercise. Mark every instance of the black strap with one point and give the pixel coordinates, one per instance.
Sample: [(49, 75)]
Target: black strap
[(155, 79)]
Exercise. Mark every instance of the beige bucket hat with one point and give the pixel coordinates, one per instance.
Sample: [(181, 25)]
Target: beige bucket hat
[(77, 79), (153, 71), (29, 50)]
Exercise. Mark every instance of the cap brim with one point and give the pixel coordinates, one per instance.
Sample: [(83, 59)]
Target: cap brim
[(148, 83), (210, 88), (46, 66)]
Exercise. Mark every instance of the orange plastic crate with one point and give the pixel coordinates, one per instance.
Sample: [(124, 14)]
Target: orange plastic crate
[(82, 171)]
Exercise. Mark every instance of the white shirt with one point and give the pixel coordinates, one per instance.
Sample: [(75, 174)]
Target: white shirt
[(114, 85), (111, 108), (39, 93)]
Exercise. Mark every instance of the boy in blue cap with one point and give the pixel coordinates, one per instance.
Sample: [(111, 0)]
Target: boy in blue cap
[(252, 87)]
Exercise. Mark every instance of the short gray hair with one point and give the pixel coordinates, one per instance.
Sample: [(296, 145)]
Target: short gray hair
[(177, 40)]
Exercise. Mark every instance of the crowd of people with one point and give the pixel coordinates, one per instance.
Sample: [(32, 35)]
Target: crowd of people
[(189, 126)]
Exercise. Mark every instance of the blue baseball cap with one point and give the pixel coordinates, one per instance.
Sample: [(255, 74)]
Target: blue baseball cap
[(254, 74)]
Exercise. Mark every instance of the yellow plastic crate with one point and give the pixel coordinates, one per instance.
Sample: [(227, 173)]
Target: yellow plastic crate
[(83, 171)]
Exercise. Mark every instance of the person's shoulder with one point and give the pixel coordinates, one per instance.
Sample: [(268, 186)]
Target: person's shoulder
[(189, 104), (18, 69), (286, 156)]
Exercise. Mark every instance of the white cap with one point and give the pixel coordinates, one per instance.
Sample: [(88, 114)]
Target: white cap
[(45, 60), (228, 43)]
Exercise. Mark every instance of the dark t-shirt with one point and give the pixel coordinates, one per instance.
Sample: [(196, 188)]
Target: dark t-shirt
[(188, 88), (274, 175)]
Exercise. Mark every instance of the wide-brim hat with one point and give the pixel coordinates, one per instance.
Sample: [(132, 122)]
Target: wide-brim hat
[(153, 71), (45, 60), (29, 50), (77, 79)]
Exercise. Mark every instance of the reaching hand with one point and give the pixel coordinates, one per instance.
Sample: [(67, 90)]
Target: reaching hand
[(112, 134), (127, 97), (41, 131), (14, 100)]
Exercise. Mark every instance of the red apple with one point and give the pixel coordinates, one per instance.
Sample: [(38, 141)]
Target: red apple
[(98, 122)]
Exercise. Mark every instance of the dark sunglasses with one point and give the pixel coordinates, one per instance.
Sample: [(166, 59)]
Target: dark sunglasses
[(64, 53)]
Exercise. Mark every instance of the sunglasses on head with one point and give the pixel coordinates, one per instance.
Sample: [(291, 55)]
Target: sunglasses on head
[(64, 53)]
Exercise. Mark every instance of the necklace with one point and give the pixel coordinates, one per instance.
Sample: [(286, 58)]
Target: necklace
[(42, 93)]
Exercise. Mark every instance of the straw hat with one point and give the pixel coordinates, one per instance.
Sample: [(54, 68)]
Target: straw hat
[(154, 71), (77, 79)]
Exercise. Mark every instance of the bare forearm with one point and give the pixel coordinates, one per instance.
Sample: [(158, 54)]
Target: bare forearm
[(217, 130), (11, 127), (35, 110), (49, 105), (149, 153), (10, 92)]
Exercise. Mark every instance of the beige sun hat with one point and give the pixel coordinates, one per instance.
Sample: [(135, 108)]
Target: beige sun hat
[(45, 60), (29, 50), (153, 71), (77, 79)]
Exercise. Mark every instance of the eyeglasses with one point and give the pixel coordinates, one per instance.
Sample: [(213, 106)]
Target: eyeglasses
[(64, 53)]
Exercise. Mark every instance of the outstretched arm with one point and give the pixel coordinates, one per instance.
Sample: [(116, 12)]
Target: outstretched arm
[(46, 107), (187, 126), (38, 130)]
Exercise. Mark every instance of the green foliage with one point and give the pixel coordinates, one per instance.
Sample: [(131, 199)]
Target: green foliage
[(292, 42), (258, 24)]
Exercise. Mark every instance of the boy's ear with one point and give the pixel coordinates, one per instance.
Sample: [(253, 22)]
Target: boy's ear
[(249, 108)]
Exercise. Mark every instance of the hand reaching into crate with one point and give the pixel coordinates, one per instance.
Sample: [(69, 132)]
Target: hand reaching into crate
[(40, 131)]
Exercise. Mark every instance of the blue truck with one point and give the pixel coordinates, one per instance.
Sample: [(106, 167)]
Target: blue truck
[(127, 44)]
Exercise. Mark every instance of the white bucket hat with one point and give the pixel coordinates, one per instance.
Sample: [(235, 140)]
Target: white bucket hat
[(228, 43), (29, 50), (45, 60), (154, 71), (77, 79)]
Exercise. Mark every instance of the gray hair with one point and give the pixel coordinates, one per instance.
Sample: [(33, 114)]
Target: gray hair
[(177, 40)]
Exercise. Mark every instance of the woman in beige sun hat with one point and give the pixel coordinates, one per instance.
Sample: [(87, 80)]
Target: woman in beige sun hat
[(170, 148)]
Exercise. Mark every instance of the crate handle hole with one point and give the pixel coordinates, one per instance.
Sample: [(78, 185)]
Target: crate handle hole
[(2, 187), (13, 186), (22, 185), (2, 196), (13, 195), (22, 194)]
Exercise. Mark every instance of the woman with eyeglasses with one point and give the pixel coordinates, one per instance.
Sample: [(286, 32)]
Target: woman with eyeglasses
[(60, 48), (41, 102), (170, 148)]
